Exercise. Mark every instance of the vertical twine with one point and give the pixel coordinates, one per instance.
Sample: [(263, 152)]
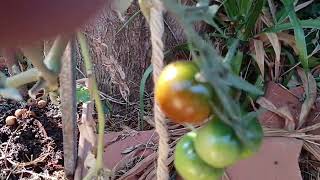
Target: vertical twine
[(155, 19)]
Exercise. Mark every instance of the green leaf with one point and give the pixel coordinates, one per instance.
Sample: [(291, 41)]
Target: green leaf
[(202, 13), (82, 94), (298, 34), (144, 79), (281, 15), (314, 61), (107, 107), (239, 83), (244, 6), (231, 8), (231, 52), (292, 63), (259, 83), (237, 62), (250, 21), (310, 23)]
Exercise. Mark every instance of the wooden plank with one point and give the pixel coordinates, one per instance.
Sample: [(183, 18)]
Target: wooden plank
[(69, 108)]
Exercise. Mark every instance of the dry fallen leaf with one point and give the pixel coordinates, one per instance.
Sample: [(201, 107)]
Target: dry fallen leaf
[(313, 149), (114, 68), (273, 9), (289, 40), (310, 88), (284, 37), (266, 17), (260, 53), (303, 5), (283, 112), (139, 167), (87, 141), (274, 40)]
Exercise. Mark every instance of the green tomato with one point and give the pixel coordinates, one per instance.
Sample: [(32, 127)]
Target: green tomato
[(254, 134), (189, 165), (217, 144)]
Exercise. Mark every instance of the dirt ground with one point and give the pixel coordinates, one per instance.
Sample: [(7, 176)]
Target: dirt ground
[(32, 148)]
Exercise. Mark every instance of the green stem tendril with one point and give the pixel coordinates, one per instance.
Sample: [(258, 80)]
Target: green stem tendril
[(94, 95)]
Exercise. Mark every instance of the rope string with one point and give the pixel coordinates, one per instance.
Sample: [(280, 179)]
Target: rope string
[(152, 10)]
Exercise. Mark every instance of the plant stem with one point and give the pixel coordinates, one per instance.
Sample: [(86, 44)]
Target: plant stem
[(22, 78), (95, 95)]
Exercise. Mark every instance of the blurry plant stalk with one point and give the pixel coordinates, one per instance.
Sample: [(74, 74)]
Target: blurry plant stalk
[(46, 69)]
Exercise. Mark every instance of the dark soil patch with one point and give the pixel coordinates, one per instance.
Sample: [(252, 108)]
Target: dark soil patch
[(32, 147)]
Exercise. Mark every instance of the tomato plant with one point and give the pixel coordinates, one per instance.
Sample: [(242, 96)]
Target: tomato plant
[(189, 165), (254, 134), (180, 96), (217, 144)]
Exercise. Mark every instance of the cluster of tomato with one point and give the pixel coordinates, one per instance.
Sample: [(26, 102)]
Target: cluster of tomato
[(202, 154)]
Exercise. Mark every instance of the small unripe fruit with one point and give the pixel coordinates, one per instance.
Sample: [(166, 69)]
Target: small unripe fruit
[(11, 120), (19, 112)]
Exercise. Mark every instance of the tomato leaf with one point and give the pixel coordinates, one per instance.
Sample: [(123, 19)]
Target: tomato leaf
[(239, 83), (82, 94), (231, 52)]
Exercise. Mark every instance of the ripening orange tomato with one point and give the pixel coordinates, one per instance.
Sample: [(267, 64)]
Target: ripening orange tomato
[(180, 96)]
